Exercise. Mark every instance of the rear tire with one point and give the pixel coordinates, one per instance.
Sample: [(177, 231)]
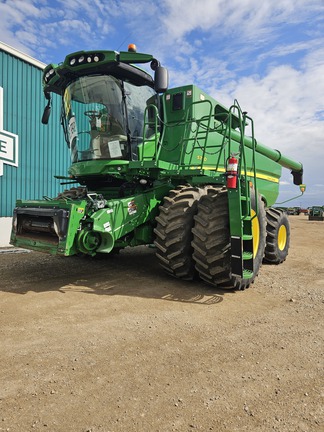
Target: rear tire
[(278, 236), (212, 243), (173, 231)]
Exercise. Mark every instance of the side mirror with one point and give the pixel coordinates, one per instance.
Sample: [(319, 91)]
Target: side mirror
[(47, 110), (161, 79), (46, 114)]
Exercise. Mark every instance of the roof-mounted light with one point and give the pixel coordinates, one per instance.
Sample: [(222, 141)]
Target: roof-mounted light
[(132, 48), (49, 74), (89, 58)]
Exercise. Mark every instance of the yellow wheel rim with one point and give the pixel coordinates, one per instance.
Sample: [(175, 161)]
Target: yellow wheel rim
[(255, 233), (282, 237)]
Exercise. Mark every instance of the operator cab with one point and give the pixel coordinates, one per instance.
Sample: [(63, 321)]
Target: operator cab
[(104, 101), (103, 117)]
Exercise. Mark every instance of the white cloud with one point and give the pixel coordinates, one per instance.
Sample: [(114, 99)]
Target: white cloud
[(183, 16), (284, 183), (17, 23), (246, 18)]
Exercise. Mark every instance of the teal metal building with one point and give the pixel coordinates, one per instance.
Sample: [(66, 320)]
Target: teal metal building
[(31, 154)]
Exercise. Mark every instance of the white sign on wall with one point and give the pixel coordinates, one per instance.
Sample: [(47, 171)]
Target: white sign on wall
[(8, 142)]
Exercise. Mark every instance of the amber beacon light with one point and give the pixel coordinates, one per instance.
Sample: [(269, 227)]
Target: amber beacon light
[(131, 48)]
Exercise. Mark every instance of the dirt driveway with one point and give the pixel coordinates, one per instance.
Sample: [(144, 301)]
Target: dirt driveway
[(116, 345)]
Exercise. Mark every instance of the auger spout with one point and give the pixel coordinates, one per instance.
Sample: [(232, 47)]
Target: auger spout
[(275, 155)]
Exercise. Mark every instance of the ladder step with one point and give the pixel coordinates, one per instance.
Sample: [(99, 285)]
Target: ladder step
[(247, 256), (247, 274)]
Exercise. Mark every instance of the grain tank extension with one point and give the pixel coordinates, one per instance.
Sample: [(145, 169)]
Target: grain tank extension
[(173, 167)]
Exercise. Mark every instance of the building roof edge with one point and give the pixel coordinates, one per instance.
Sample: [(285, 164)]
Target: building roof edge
[(27, 58)]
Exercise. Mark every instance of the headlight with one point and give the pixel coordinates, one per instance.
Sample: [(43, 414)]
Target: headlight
[(88, 58), (49, 75)]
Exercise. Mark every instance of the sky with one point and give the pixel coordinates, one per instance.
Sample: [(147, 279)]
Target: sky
[(269, 55)]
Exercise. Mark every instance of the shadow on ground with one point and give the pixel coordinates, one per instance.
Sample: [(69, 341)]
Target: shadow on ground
[(133, 272)]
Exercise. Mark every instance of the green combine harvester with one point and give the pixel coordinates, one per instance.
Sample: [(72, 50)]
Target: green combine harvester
[(152, 165)]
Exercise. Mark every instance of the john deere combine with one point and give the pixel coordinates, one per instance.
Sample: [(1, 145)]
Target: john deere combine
[(173, 167)]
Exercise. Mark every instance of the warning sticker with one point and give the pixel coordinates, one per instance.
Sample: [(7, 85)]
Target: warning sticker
[(132, 207), (72, 129), (107, 226)]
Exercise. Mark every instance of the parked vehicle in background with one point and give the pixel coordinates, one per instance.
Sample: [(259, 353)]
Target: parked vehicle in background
[(316, 213)]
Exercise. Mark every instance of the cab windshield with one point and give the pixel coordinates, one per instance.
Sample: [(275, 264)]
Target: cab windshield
[(103, 118)]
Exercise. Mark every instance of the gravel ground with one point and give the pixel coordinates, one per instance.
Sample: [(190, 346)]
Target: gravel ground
[(115, 345)]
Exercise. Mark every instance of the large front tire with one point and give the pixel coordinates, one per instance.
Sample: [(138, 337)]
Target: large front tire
[(212, 243), (173, 231), (278, 236)]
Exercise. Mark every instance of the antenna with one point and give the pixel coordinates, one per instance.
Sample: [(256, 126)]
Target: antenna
[(124, 40)]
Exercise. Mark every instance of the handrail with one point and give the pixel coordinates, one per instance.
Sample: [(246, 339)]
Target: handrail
[(199, 130), (148, 124)]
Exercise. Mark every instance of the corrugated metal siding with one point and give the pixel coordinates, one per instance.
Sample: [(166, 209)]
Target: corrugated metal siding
[(42, 149)]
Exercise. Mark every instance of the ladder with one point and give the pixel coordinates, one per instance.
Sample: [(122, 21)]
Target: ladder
[(241, 212)]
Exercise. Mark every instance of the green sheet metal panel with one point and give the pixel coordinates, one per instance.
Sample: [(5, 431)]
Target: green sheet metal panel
[(42, 152)]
